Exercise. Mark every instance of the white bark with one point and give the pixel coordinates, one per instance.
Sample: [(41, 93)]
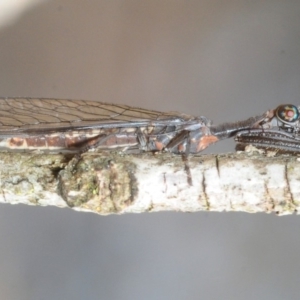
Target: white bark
[(112, 183)]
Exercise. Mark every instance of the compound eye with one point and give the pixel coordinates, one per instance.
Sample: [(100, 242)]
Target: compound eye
[(287, 113)]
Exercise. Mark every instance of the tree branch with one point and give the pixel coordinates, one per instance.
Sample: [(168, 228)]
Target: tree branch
[(107, 183)]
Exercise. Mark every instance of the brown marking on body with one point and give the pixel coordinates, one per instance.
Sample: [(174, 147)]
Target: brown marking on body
[(74, 141), (159, 146), (109, 141), (181, 148), (205, 141), (57, 141), (16, 142), (36, 141)]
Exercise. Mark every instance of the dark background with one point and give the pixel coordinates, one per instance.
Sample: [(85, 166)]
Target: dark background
[(227, 60)]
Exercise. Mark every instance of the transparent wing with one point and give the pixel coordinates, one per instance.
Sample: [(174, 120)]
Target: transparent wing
[(29, 115)]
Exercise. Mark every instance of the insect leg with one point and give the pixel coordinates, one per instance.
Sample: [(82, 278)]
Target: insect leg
[(275, 140)]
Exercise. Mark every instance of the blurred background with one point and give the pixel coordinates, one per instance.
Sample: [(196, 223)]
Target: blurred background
[(227, 60)]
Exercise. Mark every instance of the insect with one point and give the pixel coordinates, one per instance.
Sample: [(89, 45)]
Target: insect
[(57, 125)]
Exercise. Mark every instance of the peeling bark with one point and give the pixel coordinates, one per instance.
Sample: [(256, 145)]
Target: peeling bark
[(107, 183)]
